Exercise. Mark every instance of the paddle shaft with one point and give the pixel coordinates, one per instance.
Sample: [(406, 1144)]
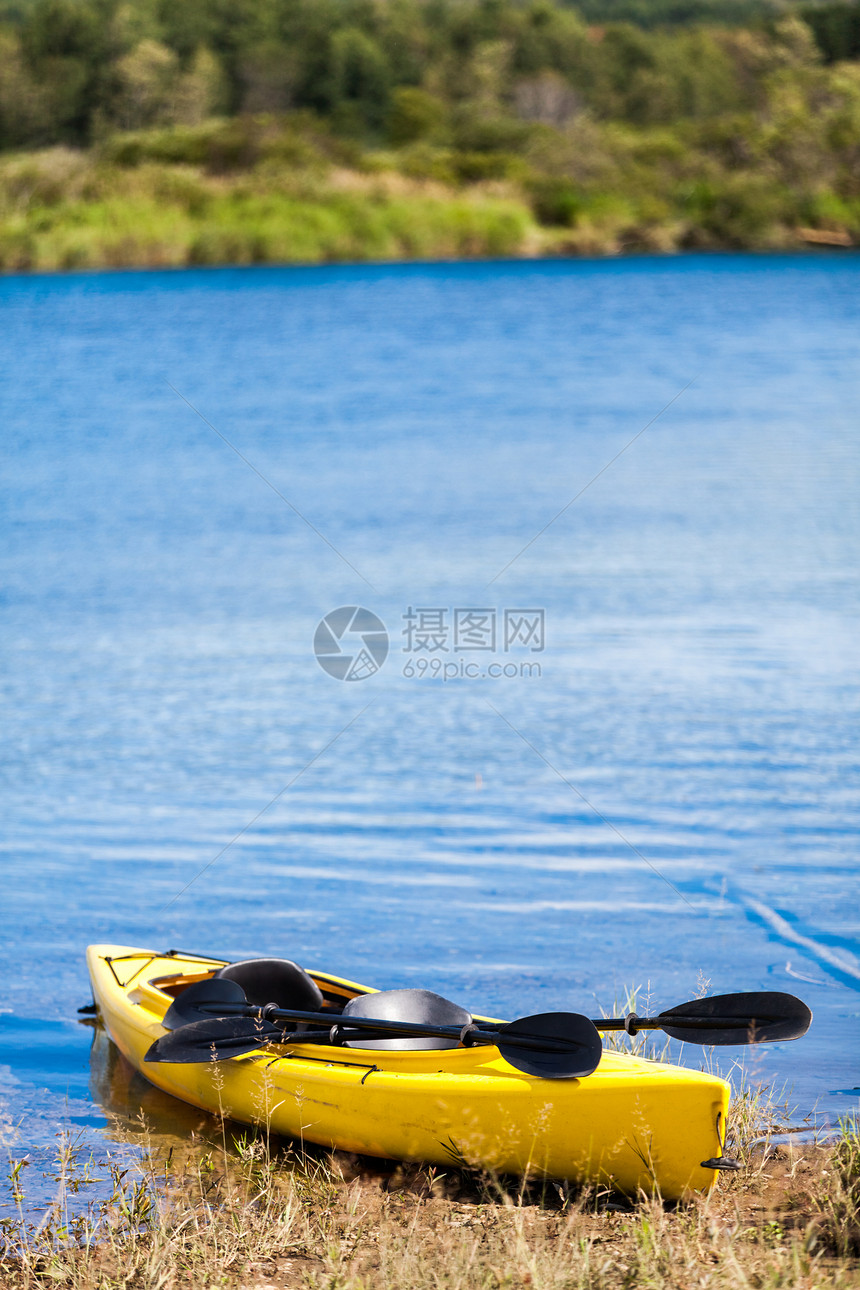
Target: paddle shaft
[(631, 1023), (481, 1032), (357, 1028)]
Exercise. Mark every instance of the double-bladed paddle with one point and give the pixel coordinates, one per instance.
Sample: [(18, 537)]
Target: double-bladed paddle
[(210, 1021), (555, 1045)]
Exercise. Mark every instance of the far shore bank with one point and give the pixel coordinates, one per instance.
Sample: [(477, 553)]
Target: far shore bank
[(271, 191)]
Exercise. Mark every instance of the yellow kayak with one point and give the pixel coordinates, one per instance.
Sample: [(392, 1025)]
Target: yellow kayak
[(632, 1124)]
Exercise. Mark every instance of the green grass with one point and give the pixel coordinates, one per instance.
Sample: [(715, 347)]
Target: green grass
[(282, 190), (59, 211)]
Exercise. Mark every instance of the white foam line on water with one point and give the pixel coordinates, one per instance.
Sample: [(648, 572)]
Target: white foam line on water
[(374, 877), (801, 976), (784, 930), (584, 906)]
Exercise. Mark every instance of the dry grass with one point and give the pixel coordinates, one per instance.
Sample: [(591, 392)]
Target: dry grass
[(251, 1214)]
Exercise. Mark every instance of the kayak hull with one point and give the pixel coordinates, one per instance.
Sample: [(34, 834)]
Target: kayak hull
[(633, 1125)]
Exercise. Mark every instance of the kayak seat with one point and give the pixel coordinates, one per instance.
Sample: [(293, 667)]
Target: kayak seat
[(421, 1007), (278, 981)]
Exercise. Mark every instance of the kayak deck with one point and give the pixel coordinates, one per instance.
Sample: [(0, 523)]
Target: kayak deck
[(633, 1124)]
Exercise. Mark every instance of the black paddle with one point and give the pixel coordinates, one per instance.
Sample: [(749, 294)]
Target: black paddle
[(554, 1045), (749, 1018)]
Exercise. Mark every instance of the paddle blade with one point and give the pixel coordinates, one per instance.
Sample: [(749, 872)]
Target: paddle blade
[(553, 1045), (201, 1001), (213, 1040), (751, 1018)]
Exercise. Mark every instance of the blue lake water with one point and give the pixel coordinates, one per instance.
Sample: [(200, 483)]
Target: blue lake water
[(676, 797)]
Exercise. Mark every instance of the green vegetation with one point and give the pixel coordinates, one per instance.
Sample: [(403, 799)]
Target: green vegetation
[(151, 133)]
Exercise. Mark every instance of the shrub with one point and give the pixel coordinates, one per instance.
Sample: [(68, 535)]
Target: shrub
[(414, 114), (555, 201)]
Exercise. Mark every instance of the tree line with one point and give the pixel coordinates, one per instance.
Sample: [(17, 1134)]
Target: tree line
[(475, 74)]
